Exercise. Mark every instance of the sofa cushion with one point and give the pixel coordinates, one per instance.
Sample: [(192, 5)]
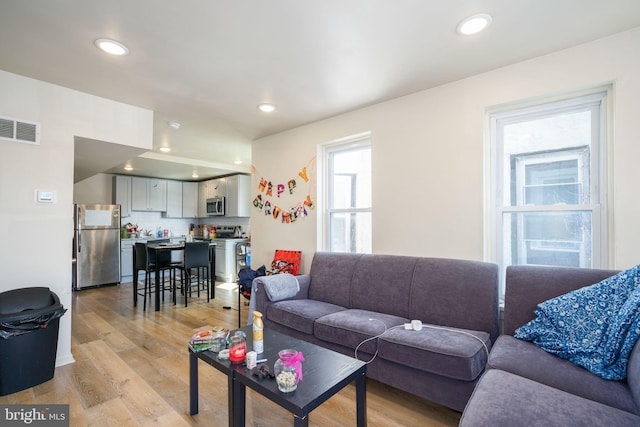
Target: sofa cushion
[(300, 315), (349, 328), (529, 285), (595, 327), (505, 399), (382, 283), (442, 289), (527, 360), (445, 352), (331, 277)]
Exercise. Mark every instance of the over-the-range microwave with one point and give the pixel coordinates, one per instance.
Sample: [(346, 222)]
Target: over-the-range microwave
[(215, 206)]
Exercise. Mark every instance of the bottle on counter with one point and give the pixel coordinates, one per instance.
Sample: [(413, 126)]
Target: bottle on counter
[(214, 233), (258, 332)]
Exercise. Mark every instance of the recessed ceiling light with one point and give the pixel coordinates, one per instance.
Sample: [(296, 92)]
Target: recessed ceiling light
[(165, 149), (474, 24), (174, 125), (194, 175), (111, 46), (128, 168), (267, 108), (237, 162)]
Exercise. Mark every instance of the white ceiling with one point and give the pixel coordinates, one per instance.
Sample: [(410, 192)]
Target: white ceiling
[(207, 64)]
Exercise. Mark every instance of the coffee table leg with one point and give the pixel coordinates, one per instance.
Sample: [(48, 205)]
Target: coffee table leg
[(237, 402), (361, 400), (193, 383), (300, 422)]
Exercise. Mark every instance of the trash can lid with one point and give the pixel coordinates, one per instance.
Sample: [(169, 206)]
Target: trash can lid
[(23, 299)]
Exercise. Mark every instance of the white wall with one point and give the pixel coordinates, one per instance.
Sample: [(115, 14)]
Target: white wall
[(97, 190), (37, 239), (428, 153)]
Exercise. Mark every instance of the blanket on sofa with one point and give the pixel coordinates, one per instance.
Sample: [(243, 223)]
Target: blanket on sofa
[(594, 327), (279, 287)]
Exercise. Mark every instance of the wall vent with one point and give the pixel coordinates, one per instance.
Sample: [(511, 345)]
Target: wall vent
[(19, 131)]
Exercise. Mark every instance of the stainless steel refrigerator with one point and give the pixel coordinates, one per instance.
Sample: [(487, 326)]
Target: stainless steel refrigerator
[(96, 245)]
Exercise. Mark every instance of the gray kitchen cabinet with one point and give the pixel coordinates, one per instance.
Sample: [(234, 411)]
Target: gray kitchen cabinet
[(221, 267), (203, 189), (226, 266), (148, 194), (121, 194), (218, 187), (236, 191), (174, 199), (207, 190), (238, 197), (189, 200), (157, 195), (139, 194), (126, 260)]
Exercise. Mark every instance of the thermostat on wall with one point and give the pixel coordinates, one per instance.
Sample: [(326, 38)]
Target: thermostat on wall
[(45, 196)]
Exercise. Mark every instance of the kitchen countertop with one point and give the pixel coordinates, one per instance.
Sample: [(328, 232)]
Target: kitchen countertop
[(226, 239), (144, 239)]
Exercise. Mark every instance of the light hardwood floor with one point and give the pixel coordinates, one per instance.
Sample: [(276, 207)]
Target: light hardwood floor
[(131, 369)]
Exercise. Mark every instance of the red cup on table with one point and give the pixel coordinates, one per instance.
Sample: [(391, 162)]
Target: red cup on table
[(237, 347)]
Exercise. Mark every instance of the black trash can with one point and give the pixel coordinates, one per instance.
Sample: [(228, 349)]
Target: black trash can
[(29, 324)]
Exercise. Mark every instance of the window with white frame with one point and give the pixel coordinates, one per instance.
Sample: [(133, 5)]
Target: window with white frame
[(548, 183), (346, 224)]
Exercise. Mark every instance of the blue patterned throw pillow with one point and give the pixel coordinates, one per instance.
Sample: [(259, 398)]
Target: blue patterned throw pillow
[(594, 327)]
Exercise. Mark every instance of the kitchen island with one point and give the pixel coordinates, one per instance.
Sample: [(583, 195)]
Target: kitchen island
[(175, 247), (126, 254)]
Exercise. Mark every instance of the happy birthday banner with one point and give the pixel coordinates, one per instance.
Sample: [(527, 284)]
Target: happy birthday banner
[(290, 215)]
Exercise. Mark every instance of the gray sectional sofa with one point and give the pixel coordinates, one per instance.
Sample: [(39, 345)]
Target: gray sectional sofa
[(526, 386), (347, 299)]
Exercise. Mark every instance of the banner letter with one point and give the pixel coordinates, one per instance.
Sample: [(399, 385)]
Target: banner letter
[(292, 185), (303, 174), (261, 185)]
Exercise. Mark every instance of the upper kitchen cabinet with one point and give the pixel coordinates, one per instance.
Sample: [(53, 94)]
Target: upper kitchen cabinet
[(218, 187), (174, 199), (189, 199), (238, 196), (121, 190), (148, 194), (203, 195), (208, 190), (205, 189), (236, 191), (182, 199)]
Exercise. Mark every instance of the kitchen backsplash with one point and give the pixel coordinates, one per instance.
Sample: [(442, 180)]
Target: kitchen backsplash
[(179, 226)]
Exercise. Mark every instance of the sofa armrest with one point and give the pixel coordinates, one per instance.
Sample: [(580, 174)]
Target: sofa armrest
[(262, 300)]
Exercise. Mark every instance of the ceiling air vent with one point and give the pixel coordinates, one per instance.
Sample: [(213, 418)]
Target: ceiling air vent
[(19, 131)]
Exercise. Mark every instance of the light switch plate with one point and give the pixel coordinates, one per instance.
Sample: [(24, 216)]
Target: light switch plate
[(45, 196)]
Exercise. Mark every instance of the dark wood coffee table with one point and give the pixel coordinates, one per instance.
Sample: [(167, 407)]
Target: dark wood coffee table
[(325, 372)]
